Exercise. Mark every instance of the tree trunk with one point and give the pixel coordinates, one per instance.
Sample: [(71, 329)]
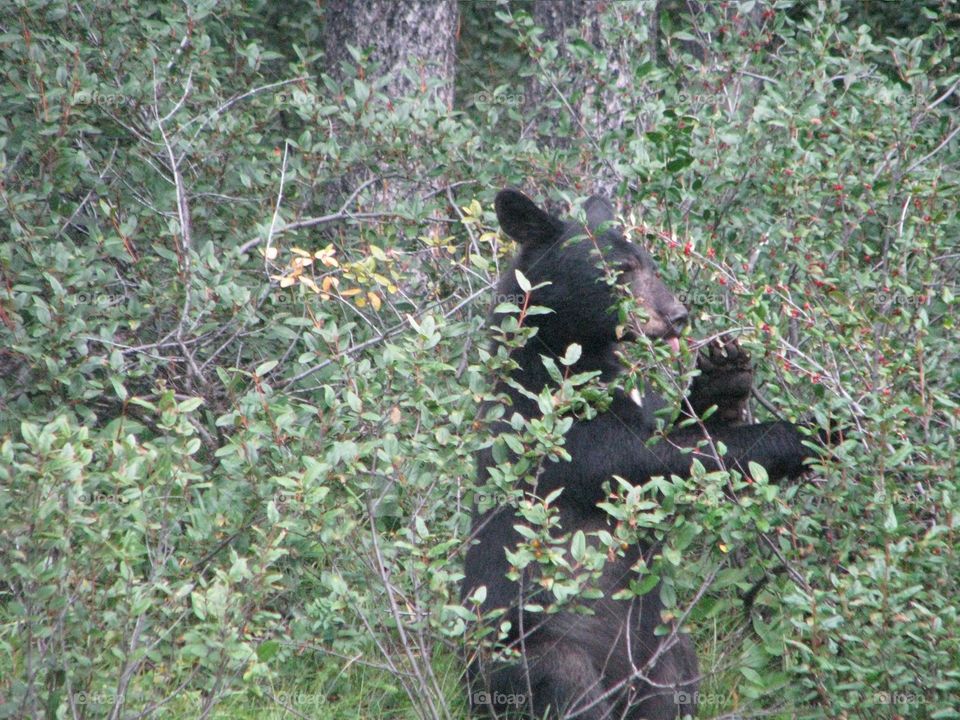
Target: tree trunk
[(410, 41), (408, 50), (591, 102)]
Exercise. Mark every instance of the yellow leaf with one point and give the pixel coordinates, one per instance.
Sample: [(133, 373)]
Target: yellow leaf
[(287, 281), (395, 415), (304, 280), (326, 256), (350, 292), (374, 300), (301, 253), (271, 253)]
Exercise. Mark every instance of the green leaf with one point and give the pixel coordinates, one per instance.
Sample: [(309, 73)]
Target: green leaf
[(647, 583), (267, 650), (890, 520), (574, 350), (522, 281), (668, 595), (30, 432), (189, 405), (264, 368), (118, 387), (578, 546), (758, 473), (672, 555), (679, 163)]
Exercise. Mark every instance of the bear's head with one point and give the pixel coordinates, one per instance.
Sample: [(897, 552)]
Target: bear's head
[(590, 270)]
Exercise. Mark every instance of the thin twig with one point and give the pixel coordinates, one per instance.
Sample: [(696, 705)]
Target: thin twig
[(933, 152), (276, 207)]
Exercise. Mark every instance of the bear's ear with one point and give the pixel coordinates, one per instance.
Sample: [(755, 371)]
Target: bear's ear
[(599, 212), (522, 220)]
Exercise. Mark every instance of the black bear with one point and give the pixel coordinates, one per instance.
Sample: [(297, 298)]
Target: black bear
[(607, 662)]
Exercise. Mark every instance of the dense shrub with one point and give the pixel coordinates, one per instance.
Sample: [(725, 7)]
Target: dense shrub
[(242, 344)]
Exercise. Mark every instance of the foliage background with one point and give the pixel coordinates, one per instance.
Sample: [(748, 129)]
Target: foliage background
[(242, 318)]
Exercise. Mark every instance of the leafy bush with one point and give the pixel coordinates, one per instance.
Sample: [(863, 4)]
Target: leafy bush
[(243, 338)]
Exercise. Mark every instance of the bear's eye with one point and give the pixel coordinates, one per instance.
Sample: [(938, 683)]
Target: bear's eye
[(628, 266)]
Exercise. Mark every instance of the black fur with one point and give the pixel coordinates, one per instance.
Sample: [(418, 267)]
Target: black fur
[(597, 665)]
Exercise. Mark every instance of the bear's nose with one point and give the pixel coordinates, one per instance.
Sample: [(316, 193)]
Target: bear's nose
[(677, 317)]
